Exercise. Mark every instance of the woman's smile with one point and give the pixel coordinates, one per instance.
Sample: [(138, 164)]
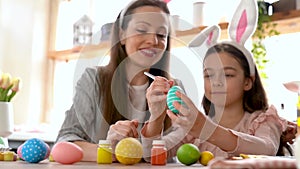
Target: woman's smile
[(149, 52)]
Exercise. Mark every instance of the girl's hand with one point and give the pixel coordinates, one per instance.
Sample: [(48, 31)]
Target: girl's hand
[(189, 118), (156, 97), (290, 133)]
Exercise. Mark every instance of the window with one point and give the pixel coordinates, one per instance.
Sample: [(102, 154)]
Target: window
[(282, 51)]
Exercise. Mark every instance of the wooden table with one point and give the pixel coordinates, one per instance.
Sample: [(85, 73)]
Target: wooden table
[(90, 165)]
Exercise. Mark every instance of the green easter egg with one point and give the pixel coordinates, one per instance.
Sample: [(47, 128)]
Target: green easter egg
[(171, 97), (188, 154)]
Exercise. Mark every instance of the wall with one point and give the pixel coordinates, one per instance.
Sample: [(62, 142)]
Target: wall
[(23, 32), (1, 35)]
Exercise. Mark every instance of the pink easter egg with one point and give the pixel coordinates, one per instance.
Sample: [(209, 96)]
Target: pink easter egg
[(48, 151), (66, 153), (19, 151)]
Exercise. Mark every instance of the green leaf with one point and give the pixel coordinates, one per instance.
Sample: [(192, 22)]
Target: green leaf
[(265, 28)]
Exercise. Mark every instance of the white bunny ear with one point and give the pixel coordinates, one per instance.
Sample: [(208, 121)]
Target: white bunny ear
[(210, 35), (244, 20)]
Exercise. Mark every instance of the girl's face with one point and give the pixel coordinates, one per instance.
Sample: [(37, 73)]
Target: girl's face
[(145, 38), (224, 79)]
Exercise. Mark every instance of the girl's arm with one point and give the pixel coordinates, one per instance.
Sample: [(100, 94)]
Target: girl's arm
[(265, 141), (262, 138), (173, 137), (200, 126), (263, 133)]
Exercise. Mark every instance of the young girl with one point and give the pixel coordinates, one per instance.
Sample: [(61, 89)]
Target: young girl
[(237, 116), (110, 101), (238, 119)]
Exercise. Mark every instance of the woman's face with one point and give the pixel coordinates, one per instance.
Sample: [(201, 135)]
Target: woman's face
[(224, 79), (145, 38)]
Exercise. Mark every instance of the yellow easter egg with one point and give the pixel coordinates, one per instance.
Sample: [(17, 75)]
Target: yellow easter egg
[(206, 156), (8, 156), (1, 156), (51, 158), (129, 151)]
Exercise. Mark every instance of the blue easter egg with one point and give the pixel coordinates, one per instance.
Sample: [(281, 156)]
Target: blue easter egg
[(34, 150), (171, 97)]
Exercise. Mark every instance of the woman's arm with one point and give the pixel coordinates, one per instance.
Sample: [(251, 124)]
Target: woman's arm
[(79, 124), (89, 150), (80, 119), (156, 98)]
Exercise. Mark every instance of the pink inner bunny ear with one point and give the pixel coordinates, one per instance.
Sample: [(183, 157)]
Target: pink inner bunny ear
[(209, 38), (242, 25)]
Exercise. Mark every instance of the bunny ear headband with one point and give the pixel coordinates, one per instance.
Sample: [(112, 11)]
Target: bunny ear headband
[(242, 26)]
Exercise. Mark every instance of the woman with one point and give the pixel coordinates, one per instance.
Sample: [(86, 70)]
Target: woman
[(110, 101)]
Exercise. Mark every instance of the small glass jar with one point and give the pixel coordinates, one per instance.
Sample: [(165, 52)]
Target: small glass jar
[(104, 152), (158, 152)]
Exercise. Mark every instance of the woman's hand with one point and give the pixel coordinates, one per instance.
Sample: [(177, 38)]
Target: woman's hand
[(156, 97), (122, 129), (189, 118)]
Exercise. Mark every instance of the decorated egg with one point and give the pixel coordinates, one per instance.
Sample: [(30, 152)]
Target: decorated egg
[(9, 156), (171, 97), (48, 151), (1, 156), (51, 158), (33, 150), (129, 151), (188, 154), (19, 151), (66, 153)]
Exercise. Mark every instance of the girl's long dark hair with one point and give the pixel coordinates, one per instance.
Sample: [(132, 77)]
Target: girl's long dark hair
[(255, 98)]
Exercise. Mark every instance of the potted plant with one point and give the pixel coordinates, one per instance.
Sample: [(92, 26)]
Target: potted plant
[(265, 28), (8, 88)]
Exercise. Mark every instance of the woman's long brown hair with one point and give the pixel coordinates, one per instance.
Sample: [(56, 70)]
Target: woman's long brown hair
[(112, 78)]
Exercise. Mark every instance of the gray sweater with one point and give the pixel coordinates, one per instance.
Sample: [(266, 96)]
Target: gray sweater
[(84, 120)]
